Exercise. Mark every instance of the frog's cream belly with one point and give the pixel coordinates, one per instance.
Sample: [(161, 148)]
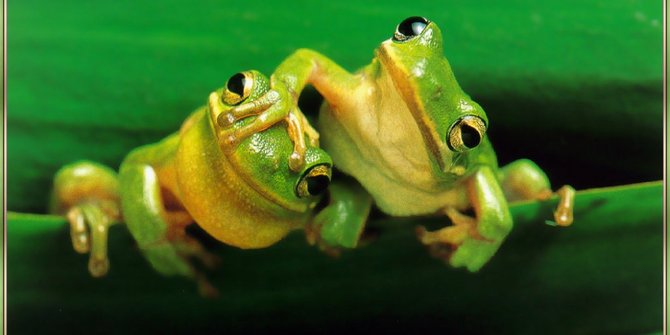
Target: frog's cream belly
[(386, 154)]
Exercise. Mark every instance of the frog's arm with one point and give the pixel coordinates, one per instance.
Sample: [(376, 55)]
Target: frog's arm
[(268, 109), (159, 234), (475, 240), (309, 67), (524, 180), (341, 222)]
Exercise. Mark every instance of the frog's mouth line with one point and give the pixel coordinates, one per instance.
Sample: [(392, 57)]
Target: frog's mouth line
[(431, 138)]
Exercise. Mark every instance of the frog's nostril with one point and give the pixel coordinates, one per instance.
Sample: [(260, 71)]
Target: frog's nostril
[(470, 136)]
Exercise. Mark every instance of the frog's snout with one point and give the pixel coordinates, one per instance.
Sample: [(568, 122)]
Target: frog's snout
[(466, 133)]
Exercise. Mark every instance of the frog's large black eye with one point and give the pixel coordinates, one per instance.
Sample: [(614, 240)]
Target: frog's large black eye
[(237, 89), (314, 182), (466, 133), (410, 27)]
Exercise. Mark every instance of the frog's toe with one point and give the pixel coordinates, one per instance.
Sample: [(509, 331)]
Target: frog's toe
[(89, 228), (206, 289), (206, 258), (183, 257), (452, 235), (456, 246), (210, 260), (98, 267), (563, 213), (229, 140), (78, 230), (226, 120)]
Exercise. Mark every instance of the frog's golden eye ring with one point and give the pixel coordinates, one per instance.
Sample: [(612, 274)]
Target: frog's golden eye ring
[(466, 133), (237, 89), (314, 182), (410, 27)]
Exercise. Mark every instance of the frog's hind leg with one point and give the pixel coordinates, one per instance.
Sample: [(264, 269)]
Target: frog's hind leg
[(87, 194), (524, 180), (443, 242)]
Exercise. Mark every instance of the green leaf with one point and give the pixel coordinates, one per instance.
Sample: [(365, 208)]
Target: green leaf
[(576, 86), (603, 274)]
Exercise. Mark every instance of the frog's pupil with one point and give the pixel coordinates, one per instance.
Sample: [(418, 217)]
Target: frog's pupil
[(236, 84), (317, 184), (412, 26), (470, 136)]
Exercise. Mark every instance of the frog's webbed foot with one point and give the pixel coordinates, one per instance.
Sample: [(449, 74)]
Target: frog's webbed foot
[(265, 108), (472, 241), (172, 257), (180, 253), (313, 237), (190, 248), (273, 106), (89, 227), (443, 242)]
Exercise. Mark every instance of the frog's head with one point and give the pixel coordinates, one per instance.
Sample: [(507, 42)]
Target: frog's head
[(450, 122), (261, 160)]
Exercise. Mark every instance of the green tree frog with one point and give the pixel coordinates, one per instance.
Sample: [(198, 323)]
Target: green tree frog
[(417, 143), (247, 189)]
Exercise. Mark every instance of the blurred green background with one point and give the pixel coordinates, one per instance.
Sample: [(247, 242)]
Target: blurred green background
[(574, 85)]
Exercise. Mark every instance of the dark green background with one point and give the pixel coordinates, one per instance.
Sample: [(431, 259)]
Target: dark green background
[(574, 85)]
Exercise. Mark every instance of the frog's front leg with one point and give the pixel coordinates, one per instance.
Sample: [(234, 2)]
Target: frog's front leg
[(310, 67), (341, 222), (159, 233), (524, 180), (270, 108), (471, 242)]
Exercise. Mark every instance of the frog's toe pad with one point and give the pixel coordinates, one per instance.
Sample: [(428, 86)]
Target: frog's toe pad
[(98, 267), (226, 120), (296, 161)]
